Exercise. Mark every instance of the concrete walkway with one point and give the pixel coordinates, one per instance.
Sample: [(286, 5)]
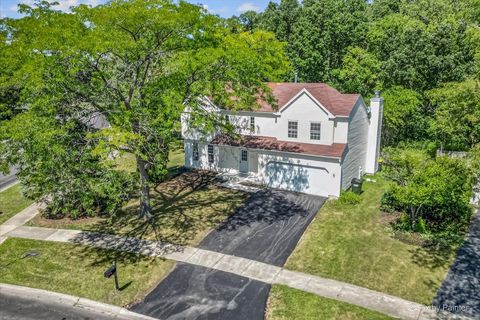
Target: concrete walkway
[(373, 300), (19, 219), (18, 302)]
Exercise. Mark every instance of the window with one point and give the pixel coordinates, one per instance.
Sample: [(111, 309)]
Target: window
[(227, 118), (292, 129), (314, 130), (210, 153), (252, 124), (195, 151), (244, 155)]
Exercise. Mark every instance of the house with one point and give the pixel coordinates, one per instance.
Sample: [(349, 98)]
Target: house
[(316, 141)]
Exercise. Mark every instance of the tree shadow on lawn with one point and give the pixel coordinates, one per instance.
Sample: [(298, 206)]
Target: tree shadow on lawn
[(183, 209)]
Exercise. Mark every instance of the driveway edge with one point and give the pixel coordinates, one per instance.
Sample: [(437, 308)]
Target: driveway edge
[(76, 302)]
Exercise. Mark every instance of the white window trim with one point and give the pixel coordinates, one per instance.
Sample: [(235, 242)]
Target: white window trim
[(288, 129), (319, 130)]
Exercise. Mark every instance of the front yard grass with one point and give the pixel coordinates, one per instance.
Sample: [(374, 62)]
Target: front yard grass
[(12, 202), (355, 244), (78, 270), (286, 303), (185, 209)]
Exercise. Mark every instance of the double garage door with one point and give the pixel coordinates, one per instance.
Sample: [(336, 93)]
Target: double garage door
[(296, 177)]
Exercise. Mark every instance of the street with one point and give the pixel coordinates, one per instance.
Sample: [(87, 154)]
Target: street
[(7, 180)]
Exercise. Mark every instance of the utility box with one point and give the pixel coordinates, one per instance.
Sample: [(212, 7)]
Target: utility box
[(357, 185)]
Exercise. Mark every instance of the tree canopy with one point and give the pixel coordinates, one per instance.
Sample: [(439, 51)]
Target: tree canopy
[(135, 64), (409, 49)]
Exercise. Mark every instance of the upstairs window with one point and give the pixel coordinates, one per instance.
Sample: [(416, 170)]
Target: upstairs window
[(252, 124), (292, 129), (315, 131), (195, 151), (210, 153)]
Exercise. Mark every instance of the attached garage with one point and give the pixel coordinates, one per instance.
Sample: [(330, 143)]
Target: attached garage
[(302, 174)]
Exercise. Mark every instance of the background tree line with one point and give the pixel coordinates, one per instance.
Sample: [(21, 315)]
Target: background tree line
[(424, 55)]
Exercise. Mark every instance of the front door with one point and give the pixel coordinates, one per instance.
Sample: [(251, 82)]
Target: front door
[(243, 161)]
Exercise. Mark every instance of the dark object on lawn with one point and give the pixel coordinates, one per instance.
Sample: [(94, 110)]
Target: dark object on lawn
[(357, 185), (112, 271), (29, 254)]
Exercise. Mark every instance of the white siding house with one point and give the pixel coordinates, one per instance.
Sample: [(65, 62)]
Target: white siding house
[(317, 141)]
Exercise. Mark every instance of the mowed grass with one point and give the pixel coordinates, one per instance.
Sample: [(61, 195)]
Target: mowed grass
[(285, 303), (12, 202), (78, 270), (184, 208), (355, 244), (176, 160)]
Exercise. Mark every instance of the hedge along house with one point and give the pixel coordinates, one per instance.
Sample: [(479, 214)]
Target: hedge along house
[(316, 143)]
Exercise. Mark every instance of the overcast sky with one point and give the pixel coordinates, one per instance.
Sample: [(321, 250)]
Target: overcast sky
[(8, 8)]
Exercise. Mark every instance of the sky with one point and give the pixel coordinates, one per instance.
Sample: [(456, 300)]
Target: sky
[(8, 8)]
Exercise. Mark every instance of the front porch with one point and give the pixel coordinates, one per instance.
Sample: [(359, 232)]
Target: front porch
[(248, 182)]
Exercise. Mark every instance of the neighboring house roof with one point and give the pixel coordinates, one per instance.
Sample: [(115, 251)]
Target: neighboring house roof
[(335, 150), (339, 104)]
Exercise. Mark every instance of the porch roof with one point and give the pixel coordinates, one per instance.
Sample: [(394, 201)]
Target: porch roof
[(335, 150)]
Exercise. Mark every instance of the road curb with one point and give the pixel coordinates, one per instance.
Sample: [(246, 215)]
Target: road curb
[(76, 302)]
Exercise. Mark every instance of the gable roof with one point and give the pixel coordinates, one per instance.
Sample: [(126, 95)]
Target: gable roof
[(339, 104)]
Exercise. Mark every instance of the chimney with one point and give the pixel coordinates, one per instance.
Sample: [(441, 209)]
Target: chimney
[(296, 76), (374, 133)]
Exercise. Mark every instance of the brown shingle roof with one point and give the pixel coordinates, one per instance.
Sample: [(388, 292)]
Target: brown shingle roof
[(337, 103), (335, 150)]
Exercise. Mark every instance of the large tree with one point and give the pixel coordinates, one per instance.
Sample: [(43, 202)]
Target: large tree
[(456, 125), (321, 35), (137, 64)]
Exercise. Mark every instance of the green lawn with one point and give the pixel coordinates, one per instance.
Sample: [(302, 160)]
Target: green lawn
[(176, 160), (12, 202), (355, 244), (78, 270), (286, 303), (185, 209)]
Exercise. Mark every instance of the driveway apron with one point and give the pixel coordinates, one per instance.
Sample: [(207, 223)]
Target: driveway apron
[(267, 229)]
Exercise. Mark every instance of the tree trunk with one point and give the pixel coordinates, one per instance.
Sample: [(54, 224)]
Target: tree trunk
[(144, 190)]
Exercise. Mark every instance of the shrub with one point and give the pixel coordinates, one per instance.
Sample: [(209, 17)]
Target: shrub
[(348, 197), (434, 194)]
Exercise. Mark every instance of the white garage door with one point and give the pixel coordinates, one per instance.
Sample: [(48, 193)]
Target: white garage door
[(294, 177)]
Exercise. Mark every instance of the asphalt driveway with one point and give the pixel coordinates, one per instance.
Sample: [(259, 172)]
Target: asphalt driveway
[(266, 229), (460, 291)]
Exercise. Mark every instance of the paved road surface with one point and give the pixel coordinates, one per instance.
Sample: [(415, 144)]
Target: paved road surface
[(460, 292), (9, 179), (193, 292), (13, 307), (266, 229)]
